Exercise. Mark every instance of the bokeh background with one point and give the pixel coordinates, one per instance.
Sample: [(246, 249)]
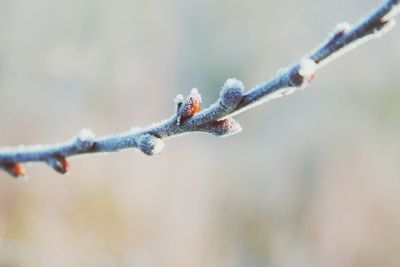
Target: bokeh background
[(313, 180)]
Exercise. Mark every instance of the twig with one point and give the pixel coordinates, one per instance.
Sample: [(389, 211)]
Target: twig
[(216, 119)]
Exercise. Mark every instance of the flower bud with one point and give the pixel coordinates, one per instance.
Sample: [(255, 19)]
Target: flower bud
[(84, 140), (15, 169), (150, 145), (231, 93), (304, 73), (223, 128), (189, 107), (59, 163)]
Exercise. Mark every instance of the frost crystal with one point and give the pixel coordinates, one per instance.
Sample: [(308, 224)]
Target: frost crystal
[(85, 139), (150, 145), (85, 135), (307, 67), (234, 83), (195, 94), (135, 129), (342, 27), (178, 99)]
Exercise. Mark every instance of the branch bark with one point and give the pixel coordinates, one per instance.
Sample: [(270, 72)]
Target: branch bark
[(216, 119)]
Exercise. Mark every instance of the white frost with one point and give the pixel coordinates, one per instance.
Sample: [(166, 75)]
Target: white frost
[(158, 146), (85, 139), (343, 27), (178, 99), (85, 135), (195, 94), (307, 67), (150, 145), (234, 83)]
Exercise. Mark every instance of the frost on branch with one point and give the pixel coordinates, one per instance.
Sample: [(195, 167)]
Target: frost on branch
[(231, 93), (216, 119), (150, 145), (189, 107)]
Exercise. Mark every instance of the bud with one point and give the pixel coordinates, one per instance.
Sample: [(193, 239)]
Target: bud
[(59, 163), (304, 73), (223, 128), (386, 24), (84, 140), (341, 29), (231, 93), (189, 107), (15, 169), (150, 145)]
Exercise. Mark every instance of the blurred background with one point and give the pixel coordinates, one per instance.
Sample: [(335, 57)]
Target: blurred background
[(313, 180)]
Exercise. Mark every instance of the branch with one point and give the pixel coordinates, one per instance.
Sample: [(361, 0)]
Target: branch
[(216, 119)]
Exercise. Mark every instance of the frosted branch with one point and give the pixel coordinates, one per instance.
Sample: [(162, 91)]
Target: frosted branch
[(216, 119)]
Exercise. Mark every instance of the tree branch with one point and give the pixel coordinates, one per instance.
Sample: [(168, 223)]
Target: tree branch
[(216, 119)]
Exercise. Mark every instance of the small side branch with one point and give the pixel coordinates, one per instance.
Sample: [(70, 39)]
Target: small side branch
[(216, 119)]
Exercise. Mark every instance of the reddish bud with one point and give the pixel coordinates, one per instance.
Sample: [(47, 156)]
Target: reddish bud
[(15, 169), (190, 106), (223, 128), (59, 164)]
